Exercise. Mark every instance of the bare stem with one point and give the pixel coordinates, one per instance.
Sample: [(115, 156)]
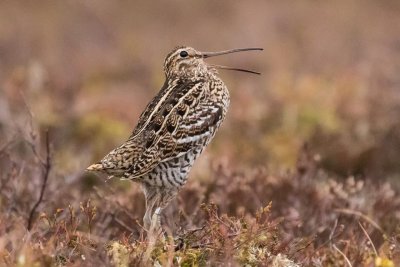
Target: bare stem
[(46, 170)]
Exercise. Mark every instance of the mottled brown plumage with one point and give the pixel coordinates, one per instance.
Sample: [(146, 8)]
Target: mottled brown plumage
[(174, 128)]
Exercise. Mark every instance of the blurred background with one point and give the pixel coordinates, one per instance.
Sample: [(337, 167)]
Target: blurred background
[(85, 71), (329, 76)]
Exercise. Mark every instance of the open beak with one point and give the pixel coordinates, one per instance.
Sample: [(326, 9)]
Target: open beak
[(237, 69), (213, 54)]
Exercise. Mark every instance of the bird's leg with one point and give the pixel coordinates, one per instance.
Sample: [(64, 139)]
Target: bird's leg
[(165, 197), (150, 194), (154, 230), (147, 216), (155, 226), (156, 200), (152, 216)]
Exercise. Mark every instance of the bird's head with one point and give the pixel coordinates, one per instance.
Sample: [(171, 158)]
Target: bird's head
[(186, 61)]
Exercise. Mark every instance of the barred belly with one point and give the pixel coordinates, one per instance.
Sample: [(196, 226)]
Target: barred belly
[(172, 173)]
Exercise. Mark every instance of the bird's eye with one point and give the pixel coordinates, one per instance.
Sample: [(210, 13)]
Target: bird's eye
[(183, 54)]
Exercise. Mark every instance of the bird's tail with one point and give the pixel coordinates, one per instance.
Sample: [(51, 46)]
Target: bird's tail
[(97, 167)]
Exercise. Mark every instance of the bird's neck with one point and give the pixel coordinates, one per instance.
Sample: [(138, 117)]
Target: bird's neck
[(194, 75)]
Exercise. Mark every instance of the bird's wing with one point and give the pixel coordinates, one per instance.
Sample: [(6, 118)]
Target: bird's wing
[(186, 119), (152, 106), (134, 155), (195, 129)]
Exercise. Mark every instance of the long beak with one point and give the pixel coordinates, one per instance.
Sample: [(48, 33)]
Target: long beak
[(236, 69), (213, 54)]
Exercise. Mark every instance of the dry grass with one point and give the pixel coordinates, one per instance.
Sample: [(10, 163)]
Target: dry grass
[(258, 196)]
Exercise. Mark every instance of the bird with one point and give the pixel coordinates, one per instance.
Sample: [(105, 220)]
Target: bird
[(173, 130)]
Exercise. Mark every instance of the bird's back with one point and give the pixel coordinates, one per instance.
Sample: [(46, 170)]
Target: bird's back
[(173, 129)]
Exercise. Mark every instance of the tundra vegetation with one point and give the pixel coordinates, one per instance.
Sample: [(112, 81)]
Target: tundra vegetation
[(304, 171)]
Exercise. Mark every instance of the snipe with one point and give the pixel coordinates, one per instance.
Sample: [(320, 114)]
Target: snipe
[(174, 128)]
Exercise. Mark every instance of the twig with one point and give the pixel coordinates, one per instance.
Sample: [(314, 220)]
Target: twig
[(205, 245), (28, 108), (32, 133), (344, 255), (361, 215), (332, 236), (192, 231), (369, 238), (46, 167), (333, 230)]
